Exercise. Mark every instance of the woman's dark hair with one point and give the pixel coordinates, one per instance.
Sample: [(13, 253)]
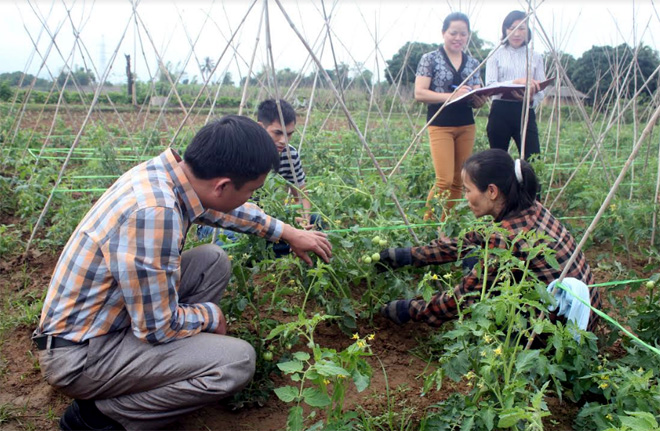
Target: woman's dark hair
[(235, 147), (496, 167), (516, 15), (455, 16)]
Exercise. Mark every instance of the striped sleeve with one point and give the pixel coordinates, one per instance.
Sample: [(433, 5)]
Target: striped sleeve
[(538, 69), (492, 69), (292, 170), (144, 259)]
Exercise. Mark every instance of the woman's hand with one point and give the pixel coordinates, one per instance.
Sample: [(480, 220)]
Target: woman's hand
[(534, 85), (478, 101), (460, 91)]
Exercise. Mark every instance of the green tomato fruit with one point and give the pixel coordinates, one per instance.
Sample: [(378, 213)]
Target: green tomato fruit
[(366, 259), (650, 284), (375, 257), (376, 240), (382, 243), (268, 356), (288, 346)]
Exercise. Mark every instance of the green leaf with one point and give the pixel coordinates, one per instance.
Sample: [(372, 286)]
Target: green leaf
[(526, 360), (468, 424), (290, 367), (510, 417), (488, 416), (301, 356), (315, 398), (361, 381), (330, 369), (287, 393), (639, 421), (295, 420), (550, 259), (456, 367)]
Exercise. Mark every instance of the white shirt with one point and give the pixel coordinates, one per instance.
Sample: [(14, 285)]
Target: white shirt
[(508, 64)]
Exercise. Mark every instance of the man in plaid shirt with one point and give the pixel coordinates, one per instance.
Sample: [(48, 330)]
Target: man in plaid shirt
[(130, 326)]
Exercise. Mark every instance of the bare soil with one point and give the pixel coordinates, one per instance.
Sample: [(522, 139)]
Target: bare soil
[(29, 403)]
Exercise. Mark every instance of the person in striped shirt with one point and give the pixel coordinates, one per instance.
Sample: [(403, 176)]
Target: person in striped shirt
[(290, 169), (509, 65), (131, 327), (268, 115), (498, 186)]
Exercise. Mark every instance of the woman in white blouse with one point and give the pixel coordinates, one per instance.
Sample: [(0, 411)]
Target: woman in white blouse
[(508, 65)]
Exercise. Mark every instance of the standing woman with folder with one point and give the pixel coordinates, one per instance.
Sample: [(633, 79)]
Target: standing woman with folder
[(508, 65), (440, 76)]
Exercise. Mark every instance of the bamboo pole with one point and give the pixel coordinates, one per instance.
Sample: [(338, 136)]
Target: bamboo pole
[(254, 52), (283, 124), (604, 206), (176, 134), (73, 146), (351, 121)]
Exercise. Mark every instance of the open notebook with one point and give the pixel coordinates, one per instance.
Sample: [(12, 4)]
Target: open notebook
[(495, 89)]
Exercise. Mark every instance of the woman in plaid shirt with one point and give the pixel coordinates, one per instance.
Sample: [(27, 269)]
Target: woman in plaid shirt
[(495, 185)]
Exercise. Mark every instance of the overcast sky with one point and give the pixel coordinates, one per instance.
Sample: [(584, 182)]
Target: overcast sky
[(166, 29)]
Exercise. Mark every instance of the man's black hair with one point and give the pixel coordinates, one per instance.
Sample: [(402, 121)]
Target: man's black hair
[(235, 147), (267, 112)]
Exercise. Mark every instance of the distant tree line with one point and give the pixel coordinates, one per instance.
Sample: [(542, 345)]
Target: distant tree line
[(593, 73)]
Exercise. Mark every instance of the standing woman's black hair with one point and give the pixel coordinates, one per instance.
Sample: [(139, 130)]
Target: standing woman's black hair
[(516, 180), (516, 15), (455, 16)]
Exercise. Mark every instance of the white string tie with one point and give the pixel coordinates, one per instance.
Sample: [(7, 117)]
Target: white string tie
[(518, 170)]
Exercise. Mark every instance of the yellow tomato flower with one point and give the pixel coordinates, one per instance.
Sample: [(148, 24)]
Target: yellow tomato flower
[(326, 381), (483, 353), (361, 344), (371, 337), (435, 277), (498, 351), (356, 336), (603, 385)]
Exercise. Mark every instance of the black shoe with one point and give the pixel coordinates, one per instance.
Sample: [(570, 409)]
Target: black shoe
[(84, 415)]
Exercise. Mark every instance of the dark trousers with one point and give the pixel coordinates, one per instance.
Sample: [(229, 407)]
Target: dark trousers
[(504, 123)]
